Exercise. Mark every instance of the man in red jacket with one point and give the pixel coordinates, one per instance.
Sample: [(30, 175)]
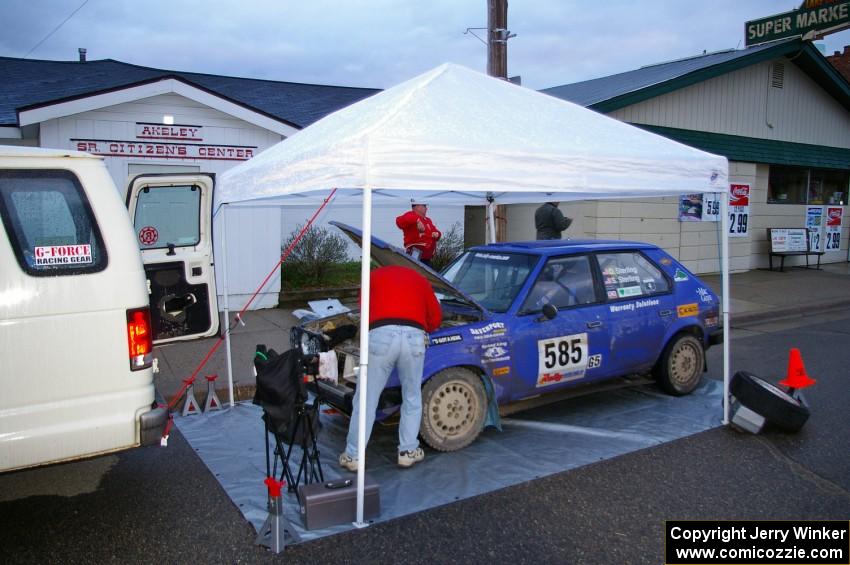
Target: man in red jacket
[(420, 233), (402, 309)]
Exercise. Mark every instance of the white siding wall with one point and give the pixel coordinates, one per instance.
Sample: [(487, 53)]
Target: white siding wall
[(743, 103), (652, 220), (253, 234)]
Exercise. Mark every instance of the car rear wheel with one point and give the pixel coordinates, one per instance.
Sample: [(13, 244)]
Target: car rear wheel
[(453, 409), (680, 368)]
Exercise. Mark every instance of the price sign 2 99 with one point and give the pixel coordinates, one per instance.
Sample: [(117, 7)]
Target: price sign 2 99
[(739, 209), (738, 223)]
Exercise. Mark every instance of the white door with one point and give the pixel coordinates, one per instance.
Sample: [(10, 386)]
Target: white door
[(172, 216)]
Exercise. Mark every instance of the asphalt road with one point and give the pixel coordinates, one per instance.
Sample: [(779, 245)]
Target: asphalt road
[(157, 505)]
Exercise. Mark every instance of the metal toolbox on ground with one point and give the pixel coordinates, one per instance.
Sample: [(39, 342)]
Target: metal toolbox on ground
[(335, 502)]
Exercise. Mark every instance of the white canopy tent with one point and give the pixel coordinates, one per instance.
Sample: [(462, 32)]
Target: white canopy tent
[(455, 135)]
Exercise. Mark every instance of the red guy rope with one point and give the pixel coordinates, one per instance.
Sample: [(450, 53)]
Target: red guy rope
[(238, 316)]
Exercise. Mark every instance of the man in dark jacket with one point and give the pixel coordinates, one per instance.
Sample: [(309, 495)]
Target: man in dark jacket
[(550, 221)]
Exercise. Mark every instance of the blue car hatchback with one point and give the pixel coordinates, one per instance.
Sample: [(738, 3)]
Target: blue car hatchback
[(527, 319)]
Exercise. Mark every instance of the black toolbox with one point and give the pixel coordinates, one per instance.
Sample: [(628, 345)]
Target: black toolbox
[(335, 502)]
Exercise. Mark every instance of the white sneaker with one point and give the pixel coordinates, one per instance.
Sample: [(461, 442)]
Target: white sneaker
[(346, 461), (409, 458)]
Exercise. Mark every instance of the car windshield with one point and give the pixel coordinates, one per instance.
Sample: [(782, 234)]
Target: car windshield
[(491, 278)]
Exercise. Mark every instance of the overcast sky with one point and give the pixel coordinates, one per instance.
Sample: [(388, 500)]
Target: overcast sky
[(379, 43)]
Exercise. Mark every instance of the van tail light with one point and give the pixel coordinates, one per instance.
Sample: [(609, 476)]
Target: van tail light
[(139, 338)]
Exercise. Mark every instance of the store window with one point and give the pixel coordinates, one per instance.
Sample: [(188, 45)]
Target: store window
[(828, 187), (798, 185)]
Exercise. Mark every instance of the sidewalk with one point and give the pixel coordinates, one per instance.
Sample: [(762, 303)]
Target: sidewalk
[(761, 295), (757, 296)]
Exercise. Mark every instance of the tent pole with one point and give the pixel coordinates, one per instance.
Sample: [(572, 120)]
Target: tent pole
[(226, 292), (362, 378), (724, 290), (491, 220)]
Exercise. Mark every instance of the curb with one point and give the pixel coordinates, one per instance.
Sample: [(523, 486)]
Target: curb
[(771, 314)]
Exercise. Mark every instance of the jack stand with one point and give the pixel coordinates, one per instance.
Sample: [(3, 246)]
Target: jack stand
[(191, 406), (213, 403), (273, 532)]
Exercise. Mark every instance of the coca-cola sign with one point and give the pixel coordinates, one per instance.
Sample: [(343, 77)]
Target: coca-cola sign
[(739, 195), (833, 216)]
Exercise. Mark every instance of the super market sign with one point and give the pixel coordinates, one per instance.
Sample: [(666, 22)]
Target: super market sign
[(814, 18)]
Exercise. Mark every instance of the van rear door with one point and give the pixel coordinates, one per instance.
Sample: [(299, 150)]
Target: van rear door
[(172, 217)]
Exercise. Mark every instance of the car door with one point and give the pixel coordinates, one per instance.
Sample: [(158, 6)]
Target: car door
[(172, 217), (640, 308), (571, 347)]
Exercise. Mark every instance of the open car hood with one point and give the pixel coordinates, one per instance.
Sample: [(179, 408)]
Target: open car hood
[(385, 254)]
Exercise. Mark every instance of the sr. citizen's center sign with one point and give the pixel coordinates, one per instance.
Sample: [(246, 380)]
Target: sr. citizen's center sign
[(147, 145), (813, 19)]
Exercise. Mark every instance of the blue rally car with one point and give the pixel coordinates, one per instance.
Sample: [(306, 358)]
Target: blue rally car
[(526, 319)]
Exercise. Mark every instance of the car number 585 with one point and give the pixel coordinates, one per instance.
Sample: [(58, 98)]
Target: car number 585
[(562, 354)]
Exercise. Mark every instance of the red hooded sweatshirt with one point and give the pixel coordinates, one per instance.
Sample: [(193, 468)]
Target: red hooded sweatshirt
[(401, 296), (425, 240)]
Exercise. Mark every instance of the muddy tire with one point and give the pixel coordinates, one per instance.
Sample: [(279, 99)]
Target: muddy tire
[(454, 406), (776, 406), (679, 370)]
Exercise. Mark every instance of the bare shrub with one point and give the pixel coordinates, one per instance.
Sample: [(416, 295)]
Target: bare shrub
[(317, 251), (449, 247)]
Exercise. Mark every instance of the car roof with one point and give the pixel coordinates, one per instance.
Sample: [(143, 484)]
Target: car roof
[(561, 246)]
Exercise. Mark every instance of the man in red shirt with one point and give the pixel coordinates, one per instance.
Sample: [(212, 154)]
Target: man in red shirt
[(420, 233), (403, 308)]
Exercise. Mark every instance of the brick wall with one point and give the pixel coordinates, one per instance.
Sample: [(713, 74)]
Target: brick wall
[(841, 61)]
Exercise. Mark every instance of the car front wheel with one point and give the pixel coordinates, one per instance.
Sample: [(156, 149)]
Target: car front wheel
[(454, 405), (680, 368)]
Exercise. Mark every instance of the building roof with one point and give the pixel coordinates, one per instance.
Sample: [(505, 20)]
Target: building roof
[(753, 150), (613, 92), (30, 83)]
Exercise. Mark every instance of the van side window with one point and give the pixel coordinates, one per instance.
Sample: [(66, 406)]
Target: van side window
[(168, 215), (49, 223)]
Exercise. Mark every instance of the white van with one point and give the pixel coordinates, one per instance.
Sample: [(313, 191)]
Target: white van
[(76, 331)]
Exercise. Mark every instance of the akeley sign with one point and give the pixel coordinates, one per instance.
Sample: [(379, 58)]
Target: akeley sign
[(815, 17)]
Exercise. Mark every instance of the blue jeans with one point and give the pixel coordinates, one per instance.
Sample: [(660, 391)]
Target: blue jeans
[(392, 347)]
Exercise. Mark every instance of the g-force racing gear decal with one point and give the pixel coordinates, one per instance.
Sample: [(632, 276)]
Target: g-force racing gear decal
[(561, 359)]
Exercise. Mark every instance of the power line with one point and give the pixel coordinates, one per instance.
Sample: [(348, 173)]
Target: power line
[(46, 37)]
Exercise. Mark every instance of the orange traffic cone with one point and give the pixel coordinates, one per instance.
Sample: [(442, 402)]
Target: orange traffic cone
[(797, 377)]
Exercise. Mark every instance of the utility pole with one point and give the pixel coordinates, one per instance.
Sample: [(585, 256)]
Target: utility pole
[(497, 66), (497, 38)]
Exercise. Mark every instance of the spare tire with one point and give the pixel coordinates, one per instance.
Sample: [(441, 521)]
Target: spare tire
[(774, 404)]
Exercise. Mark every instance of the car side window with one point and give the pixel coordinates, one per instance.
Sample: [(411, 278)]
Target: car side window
[(630, 275), (563, 282), (49, 223)]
